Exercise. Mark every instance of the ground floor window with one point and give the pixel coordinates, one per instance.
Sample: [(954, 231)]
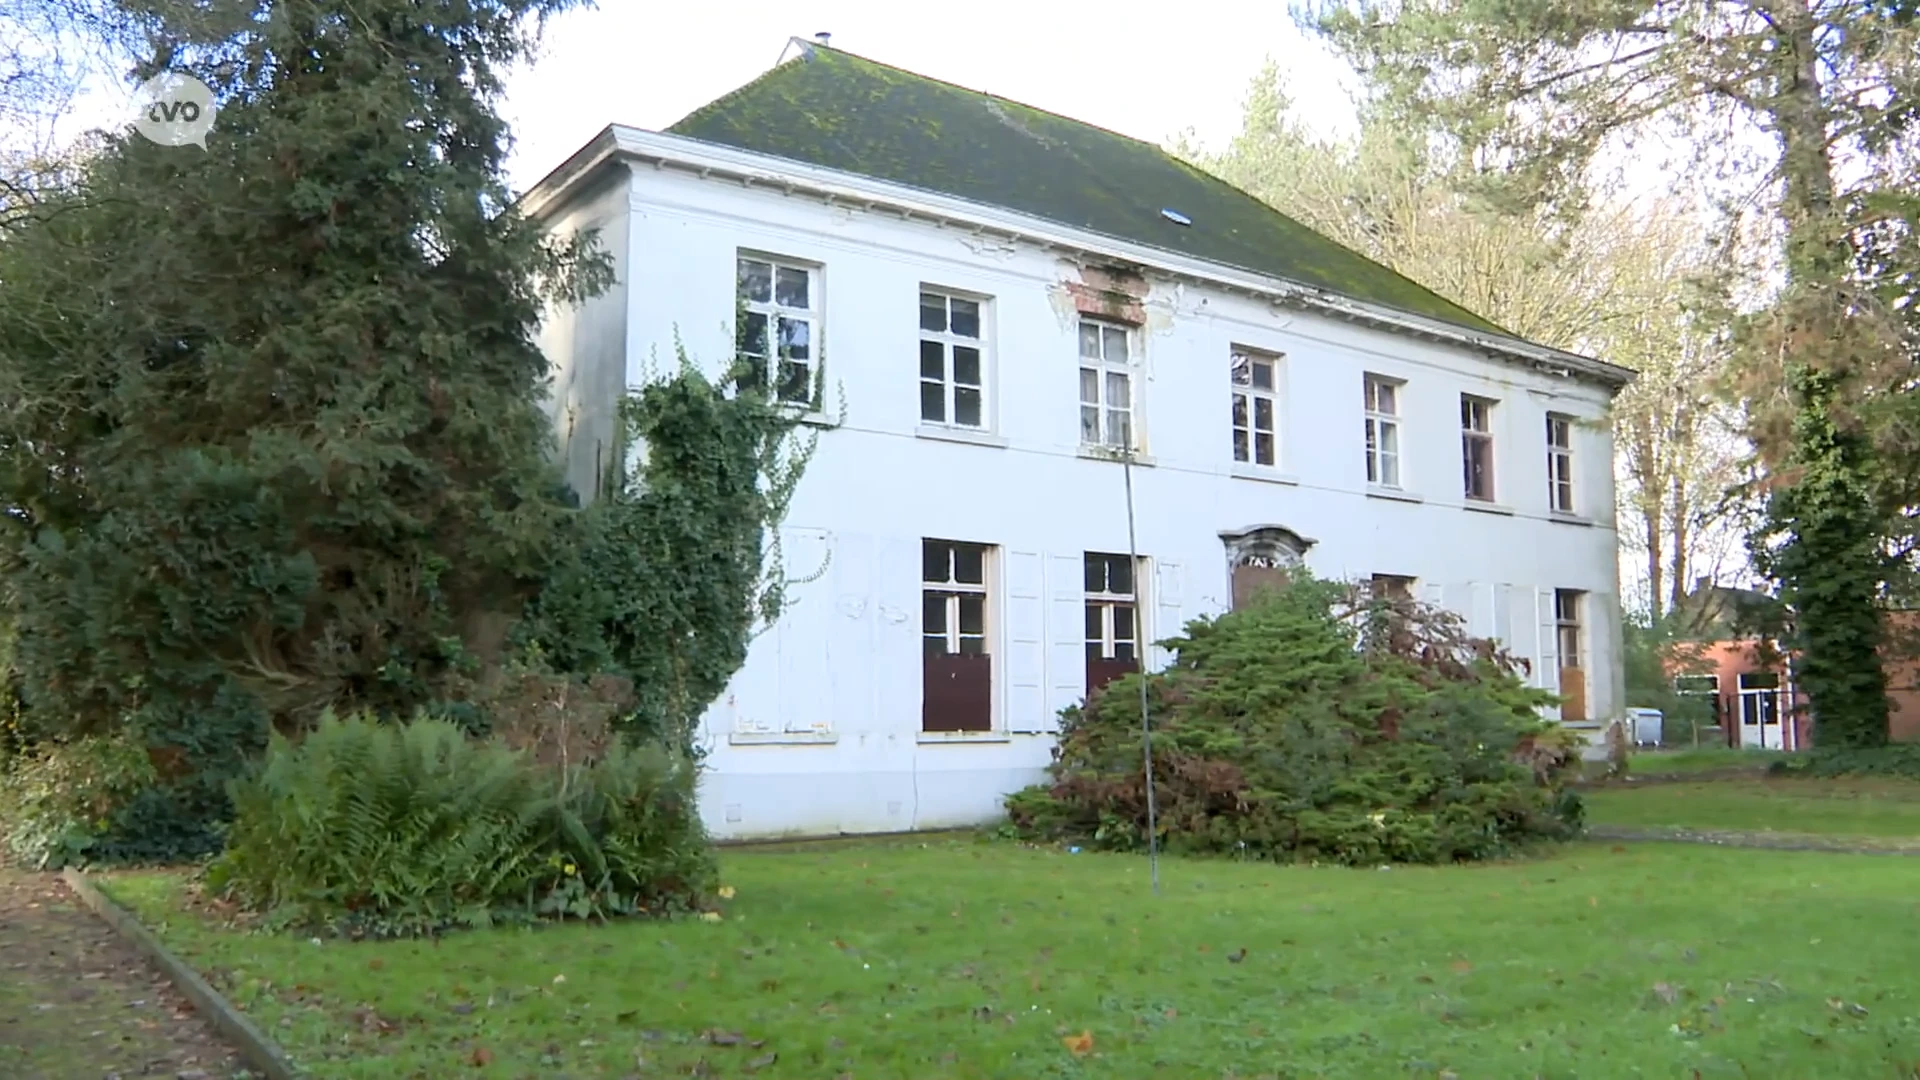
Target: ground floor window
[(956, 665), (1113, 618)]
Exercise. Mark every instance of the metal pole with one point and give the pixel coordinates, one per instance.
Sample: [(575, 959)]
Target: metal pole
[(1146, 724)]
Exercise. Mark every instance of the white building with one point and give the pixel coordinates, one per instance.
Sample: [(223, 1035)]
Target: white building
[(1000, 296)]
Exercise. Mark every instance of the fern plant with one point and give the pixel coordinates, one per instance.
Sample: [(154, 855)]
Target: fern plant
[(416, 827)]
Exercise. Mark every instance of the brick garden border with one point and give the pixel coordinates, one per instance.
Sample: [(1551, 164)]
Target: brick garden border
[(260, 1052)]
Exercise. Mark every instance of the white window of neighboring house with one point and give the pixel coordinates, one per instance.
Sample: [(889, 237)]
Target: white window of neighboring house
[(1476, 447), (1383, 430), (1256, 407), (953, 365), (1106, 384), (779, 330), (1560, 463)]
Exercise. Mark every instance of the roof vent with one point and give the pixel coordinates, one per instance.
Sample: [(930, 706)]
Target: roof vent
[(1176, 217), (822, 37)]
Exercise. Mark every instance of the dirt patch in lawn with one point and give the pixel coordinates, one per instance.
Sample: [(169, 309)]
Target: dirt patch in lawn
[(78, 1002)]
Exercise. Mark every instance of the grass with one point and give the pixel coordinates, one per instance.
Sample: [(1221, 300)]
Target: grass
[(956, 959), (1704, 760), (1880, 808)]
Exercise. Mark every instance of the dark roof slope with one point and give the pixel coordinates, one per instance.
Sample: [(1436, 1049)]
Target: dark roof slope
[(836, 110)]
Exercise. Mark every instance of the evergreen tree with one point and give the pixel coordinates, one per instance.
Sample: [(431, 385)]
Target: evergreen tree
[(270, 433)]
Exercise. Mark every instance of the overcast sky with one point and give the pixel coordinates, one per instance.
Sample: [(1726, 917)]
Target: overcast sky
[(1143, 70)]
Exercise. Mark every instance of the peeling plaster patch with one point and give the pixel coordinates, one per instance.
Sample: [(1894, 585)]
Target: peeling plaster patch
[(853, 607), (892, 614), (1103, 292)]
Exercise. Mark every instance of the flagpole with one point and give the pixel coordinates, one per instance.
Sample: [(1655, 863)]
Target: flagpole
[(1146, 723)]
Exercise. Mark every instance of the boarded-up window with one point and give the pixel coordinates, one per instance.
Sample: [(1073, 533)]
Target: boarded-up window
[(1567, 626), (957, 671), (1254, 575), (1113, 618)]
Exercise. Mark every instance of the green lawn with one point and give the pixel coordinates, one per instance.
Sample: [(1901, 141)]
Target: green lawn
[(1708, 759), (956, 959), (1878, 808)]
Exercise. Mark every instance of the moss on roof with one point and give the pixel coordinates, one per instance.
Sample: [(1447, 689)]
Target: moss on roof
[(836, 110)]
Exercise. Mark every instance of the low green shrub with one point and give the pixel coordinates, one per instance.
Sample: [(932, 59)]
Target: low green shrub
[(370, 828), (1896, 759), (1316, 725), (62, 803)]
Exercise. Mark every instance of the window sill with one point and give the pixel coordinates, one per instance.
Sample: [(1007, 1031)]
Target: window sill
[(804, 414), (783, 738), (1375, 491), (1565, 518), (1479, 507), (1263, 473), (1108, 453), (930, 738), (970, 436)]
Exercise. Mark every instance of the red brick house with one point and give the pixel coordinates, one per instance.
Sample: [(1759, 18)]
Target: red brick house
[(1750, 681)]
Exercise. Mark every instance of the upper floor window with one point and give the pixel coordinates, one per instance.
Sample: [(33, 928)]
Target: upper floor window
[(1106, 384), (953, 376), (779, 325), (1476, 447), (1256, 407), (1560, 463), (1383, 430)]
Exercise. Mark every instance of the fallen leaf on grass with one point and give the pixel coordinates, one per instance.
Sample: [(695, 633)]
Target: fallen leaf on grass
[(482, 1057), (710, 916), (1080, 1044), (1234, 958), (1665, 992), (1462, 966), (726, 892), (761, 1062), (724, 1038)]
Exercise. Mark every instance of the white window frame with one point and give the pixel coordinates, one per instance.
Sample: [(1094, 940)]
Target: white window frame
[(773, 311), (1568, 617), (1469, 435), (1108, 601), (1383, 463), (952, 589), (949, 383), (1104, 367), (1247, 395), (1560, 463)]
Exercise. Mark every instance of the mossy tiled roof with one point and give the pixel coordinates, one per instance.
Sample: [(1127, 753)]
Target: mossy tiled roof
[(836, 110)]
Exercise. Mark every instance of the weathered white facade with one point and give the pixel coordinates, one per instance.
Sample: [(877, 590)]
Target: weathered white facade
[(822, 731)]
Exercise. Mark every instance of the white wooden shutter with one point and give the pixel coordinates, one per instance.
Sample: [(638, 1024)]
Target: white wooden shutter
[(1168, 599), (806, 684), (1547, 667), (1066, 635), (1480, 619), (1502, 600), (1432, 594), (1026, 637)]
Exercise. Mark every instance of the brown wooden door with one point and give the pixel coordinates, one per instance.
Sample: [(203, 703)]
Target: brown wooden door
[(1573, 694), (957, 693), (1101, 671)]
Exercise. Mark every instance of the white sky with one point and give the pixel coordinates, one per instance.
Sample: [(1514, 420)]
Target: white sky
[(1143, 70)]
